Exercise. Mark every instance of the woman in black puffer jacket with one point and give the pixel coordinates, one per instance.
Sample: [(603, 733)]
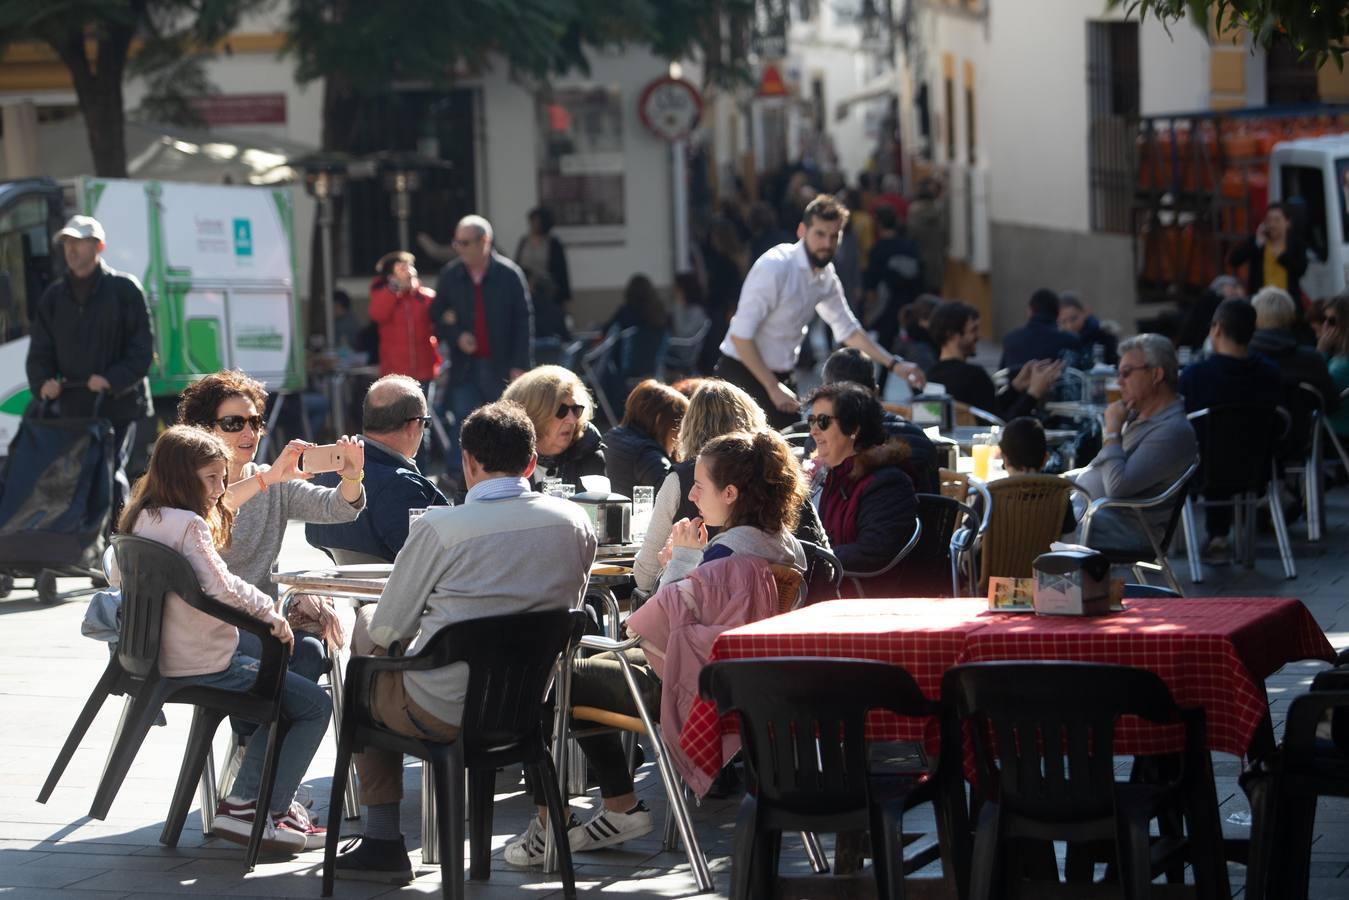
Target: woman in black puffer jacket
[(561, 409), (640, 450)]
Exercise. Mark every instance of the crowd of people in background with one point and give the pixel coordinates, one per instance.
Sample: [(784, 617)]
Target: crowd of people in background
[(731, 493)]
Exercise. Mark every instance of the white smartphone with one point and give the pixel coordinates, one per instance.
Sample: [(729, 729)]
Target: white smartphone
[(324, 458)]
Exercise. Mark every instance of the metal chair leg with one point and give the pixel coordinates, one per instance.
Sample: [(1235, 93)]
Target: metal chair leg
[(351, 802), (206, 793), (819, 863), (430, 823), (1281, 530), (673, 786), (1187, 516)]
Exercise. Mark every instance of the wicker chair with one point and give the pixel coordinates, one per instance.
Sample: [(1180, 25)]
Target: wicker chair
[(1025, 518)]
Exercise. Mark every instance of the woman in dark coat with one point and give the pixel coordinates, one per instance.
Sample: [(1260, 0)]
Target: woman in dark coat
[(561, 409), (640, 450), (868, 505)]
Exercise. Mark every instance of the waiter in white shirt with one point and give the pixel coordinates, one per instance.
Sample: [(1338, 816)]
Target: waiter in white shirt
[(781, 294)]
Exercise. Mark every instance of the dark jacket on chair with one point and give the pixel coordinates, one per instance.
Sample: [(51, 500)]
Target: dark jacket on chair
[(391, 489), (632, 457)]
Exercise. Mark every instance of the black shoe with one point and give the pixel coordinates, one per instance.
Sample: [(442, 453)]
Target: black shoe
[(385, 861)]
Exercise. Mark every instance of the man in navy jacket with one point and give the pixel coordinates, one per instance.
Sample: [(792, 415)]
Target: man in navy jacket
[(394, 418), (1040, 337)]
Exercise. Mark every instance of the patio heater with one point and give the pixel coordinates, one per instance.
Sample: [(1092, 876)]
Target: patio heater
[(325, 181)]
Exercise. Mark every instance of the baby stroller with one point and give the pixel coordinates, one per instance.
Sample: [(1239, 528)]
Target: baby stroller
[(56, 500)]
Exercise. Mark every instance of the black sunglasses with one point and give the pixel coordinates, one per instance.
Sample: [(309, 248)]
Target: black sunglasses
[(822, 421), (576, 409), (425, 420), (233, 424)]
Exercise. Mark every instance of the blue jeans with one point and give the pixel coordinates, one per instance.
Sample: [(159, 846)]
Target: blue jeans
[(308, 660), (305, 706), (463, 399)]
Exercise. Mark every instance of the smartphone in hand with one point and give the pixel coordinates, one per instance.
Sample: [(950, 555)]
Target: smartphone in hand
[(323, 458)]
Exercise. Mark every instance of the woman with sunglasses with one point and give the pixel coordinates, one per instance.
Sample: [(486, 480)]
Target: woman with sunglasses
[(229, 404), (867, 503), (559, 405), (1333, 342)]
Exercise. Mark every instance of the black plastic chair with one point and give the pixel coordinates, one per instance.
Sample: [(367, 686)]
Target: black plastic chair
[(930, 568), (510, 660), (802, 721), (149, 572), (1238, 480), (824, 573), (1283, 787), (1043, 736)]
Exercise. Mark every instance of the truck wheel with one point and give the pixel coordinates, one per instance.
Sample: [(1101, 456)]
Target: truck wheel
[(46, 586), (6, 585)]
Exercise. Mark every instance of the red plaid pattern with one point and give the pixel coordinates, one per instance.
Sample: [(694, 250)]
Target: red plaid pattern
[(1215, 653)]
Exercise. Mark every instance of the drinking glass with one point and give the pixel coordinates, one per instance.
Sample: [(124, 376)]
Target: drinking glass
[(643, 501), (555, 488), (981, 450)]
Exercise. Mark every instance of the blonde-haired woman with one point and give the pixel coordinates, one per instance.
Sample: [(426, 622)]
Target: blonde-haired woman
[(716, 408), (559, 405)]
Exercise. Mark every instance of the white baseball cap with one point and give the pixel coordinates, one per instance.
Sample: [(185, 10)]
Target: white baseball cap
[(82, 227)]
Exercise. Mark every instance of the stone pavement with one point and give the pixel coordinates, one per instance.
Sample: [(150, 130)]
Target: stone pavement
[(54, 850)]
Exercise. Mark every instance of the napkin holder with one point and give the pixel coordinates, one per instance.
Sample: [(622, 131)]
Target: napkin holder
[(1072, 583)]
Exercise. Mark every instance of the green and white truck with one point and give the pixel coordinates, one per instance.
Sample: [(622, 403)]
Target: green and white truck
[(217, 263)]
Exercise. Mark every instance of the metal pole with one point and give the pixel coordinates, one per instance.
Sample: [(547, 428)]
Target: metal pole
[(402, 211), (679, 174), (330, 324)]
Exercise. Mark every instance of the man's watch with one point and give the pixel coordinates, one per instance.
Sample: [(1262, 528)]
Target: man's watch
[(896, 361)]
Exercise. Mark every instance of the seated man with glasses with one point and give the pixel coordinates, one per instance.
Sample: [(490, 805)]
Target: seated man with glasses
[(395, 419), (1148, 444)]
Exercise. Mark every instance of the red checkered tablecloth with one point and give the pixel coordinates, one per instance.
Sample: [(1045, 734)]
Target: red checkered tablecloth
[(1214, 653)]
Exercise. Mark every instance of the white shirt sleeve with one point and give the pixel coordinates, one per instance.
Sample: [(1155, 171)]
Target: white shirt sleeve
[(834, 309), (758, 296)]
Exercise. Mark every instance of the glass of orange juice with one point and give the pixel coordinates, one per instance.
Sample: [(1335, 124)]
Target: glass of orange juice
[(981, 449)]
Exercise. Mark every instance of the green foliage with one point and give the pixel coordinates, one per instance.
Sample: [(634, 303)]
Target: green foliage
[(371, 46), (1316, 28)]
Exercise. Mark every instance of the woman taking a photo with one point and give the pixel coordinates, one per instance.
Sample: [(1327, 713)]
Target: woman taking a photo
[(265, 498), (867, 503)]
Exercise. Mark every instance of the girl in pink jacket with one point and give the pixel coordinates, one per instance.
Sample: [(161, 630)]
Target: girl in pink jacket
[(180, 503)]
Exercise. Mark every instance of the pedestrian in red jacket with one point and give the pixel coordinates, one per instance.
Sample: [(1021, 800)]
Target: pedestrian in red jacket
[(401, 307)]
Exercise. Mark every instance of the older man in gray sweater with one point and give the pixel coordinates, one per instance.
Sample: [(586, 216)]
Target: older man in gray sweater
[(1148, 444), (453, 569)]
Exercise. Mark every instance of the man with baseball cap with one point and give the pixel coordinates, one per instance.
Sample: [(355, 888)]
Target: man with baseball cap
[(91, 337)]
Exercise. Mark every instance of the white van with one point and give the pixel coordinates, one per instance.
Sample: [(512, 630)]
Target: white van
[(217, 263), (1312, 176)]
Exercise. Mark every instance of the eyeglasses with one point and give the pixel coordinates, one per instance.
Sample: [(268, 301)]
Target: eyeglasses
[(820, 422), (1126, 371), (234, 424), (425, 420), (576, 409), (461, 244)]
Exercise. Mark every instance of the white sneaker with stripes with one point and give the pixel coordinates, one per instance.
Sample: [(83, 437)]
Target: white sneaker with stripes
[(607, 828)]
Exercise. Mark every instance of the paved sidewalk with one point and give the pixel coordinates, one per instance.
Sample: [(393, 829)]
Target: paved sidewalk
[(54, 850)]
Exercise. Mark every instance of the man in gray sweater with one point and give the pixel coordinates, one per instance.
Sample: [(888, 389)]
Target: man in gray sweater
[(452, 569)]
